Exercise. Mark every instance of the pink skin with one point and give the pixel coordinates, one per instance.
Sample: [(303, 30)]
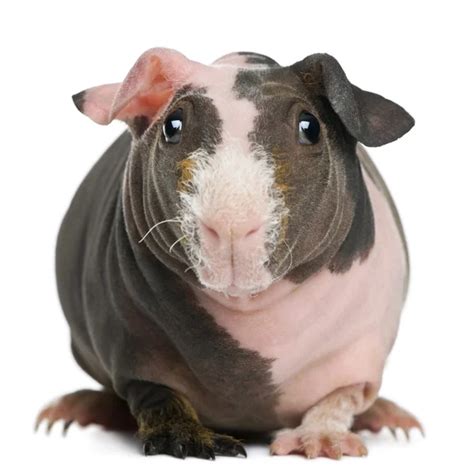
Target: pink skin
[(350, 322)]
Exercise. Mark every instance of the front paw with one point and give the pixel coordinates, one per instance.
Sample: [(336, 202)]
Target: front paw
[(188, 438), (329, 444)]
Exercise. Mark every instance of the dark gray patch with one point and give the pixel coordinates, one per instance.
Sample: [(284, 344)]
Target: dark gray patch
[(202, 123), (138, 125), (79, 100), (129, 303), (256, 58), (154, 170), (231, 380), (361, 236), (309, 175)]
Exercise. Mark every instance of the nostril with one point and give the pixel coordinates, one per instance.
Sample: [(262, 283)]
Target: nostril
[(218, 232), (253, 231), (210, 231)]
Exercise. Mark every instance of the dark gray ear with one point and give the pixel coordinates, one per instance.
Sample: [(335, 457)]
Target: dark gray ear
[(370, 118)]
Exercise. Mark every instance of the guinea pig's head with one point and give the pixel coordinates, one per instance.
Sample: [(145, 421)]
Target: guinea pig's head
[(244, 172)]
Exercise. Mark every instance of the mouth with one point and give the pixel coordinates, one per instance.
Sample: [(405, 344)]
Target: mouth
[(231, 286), (234, 291)]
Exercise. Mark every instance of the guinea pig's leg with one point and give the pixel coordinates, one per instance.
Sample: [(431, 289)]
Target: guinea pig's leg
[(386, 414), (168, 424), (86, 407), (324, 429)]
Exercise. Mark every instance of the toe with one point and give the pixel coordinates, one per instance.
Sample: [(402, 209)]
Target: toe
[(286, 442), (206, 452), (154, 445), (228, 446), (332, 447), (312, 446), (352, 445)]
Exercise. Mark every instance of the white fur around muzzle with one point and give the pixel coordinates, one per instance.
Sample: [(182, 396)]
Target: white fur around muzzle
[(229, 187)]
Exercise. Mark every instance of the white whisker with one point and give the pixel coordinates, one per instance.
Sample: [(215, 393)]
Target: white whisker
[(155, 226), (179, 240), (291, 258), (288, 254)]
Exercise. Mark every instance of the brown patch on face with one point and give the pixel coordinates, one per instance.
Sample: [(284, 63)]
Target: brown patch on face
[(185, 169), (282, 169), (281, 183)]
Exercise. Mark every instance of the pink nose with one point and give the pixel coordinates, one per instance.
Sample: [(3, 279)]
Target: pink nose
[(217, 232)]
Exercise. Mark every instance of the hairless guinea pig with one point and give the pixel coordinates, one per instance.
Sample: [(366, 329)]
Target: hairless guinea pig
[(235, 263)]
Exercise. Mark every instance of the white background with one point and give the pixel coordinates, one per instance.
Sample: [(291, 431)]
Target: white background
[(418, 54)]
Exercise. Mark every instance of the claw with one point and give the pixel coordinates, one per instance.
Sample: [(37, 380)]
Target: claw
[(147, 448), (394, 432), (66, 426), (50, 426), (208, 453), (333, 451), (241, 450), (43, 415), (407, 433), (179, 451), (336, 455), (363, 451), (37, 424)]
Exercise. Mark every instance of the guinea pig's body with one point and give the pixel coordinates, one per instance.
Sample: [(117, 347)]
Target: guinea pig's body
[(294, 332)]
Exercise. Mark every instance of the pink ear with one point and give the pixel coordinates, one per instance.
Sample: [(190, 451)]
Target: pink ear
[(147, 89)]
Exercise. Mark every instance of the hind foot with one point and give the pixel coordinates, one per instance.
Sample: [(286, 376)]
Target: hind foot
[(384, 413), (86, 407)]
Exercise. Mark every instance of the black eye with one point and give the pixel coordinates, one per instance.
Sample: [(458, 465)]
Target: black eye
[(173, 127), (308, 129)]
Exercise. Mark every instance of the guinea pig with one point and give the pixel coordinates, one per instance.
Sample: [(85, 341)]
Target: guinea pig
[(234, 262)]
